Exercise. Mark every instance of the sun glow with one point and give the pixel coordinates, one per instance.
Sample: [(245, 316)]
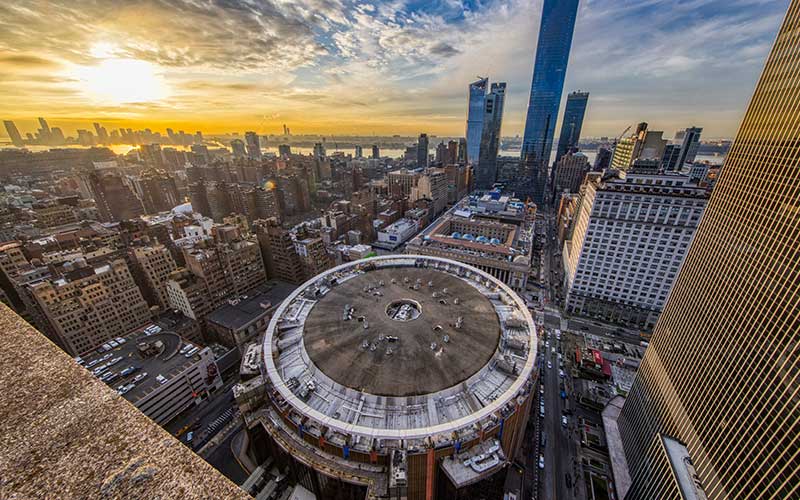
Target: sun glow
[(120, 80)]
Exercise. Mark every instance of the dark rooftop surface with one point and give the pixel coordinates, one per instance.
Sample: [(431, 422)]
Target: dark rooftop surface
[(64, 434), (335, 344), (238, 316)]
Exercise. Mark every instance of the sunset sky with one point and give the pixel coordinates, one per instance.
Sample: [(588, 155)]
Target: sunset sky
[(364, 67)]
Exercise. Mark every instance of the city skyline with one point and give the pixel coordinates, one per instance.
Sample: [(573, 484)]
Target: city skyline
[(201, 81)]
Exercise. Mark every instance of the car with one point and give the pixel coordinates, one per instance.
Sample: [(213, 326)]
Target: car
[(561, 373), (549, 365), (189, 436), (547, 344), (541, 411), (541, 461), (140, 377), (563, 394), (127, 371), (553, 350), (125, 388), (564, 421)]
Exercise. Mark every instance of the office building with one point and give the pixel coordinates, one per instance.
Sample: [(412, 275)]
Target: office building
[(628, 241), (643, 145), (112, 193), (431, 185), (475, 114), (152, 265), (90, 304), (158, 191), (225, 266), (376, 152), (689, 146), (720, 374), (422, 151), (440, 156), (161, 373), (669, 162), (252, 145), (281, 261), (572, 123), (340, 377), (359, 151), (549, 71), (238, 148), (486, 171), (319, 151), (284, 150), (13, 133), (569, 173), (493, 233)]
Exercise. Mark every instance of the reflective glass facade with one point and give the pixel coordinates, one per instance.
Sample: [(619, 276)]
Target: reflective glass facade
[(477, 99), (572, 122), (486, 173), (722, 372), (550, 68)]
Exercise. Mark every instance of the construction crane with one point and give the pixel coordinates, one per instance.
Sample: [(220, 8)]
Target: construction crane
[(616, 139)]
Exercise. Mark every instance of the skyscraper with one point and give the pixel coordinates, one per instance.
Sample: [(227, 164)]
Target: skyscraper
[(490, 137), (689, 146), (376, 152), (422, 151), (238, 147), (572, 123), (721, 373), (253, 145), (475, 113), (550, 68), (13, 133)]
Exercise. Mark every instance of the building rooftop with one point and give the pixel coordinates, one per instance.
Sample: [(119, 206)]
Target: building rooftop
[(240, 312), (63, 431), (399, 378), (394, 367)]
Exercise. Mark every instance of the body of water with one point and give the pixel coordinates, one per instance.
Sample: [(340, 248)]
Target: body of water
[(122, 149)]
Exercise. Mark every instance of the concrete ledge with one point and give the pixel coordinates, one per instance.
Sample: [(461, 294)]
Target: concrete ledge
[(65, 434), (619, 465)]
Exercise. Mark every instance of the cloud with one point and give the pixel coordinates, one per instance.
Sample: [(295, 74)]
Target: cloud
[(405, 62)]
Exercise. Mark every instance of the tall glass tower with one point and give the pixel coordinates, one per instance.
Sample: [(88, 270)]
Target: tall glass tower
[(477, 99), (572, 123), (549, 70), (486, 173), (722, 372)]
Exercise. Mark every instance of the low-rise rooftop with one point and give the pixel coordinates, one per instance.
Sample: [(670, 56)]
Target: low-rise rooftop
[(241, 311)]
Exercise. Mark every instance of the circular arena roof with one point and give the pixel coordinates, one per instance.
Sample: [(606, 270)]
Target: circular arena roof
[(351, 337), (400, 347)]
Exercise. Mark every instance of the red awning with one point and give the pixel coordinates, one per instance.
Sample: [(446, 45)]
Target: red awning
[(606, 368)]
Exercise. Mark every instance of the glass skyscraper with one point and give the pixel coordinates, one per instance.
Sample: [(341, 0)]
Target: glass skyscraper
[(477, 99), (549, 71), (722, 372), (486, 172), (572, 122)]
